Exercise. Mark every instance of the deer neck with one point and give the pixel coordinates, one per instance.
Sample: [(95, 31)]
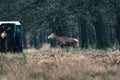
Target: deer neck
[(56, 38)]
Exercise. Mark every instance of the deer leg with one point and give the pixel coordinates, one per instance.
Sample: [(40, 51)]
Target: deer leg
[(61, 46)]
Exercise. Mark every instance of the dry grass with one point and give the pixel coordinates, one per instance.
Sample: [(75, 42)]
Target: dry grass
[(60, 64)]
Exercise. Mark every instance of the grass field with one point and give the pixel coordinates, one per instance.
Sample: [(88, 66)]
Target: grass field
[(60, 64)]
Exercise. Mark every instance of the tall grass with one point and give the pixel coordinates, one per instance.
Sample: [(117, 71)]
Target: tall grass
[(24, 57), (60, 64)]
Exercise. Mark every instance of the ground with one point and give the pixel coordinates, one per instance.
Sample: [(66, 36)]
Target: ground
[(60, 64)]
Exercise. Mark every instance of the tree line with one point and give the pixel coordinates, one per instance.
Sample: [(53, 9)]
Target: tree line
[(95, 23)]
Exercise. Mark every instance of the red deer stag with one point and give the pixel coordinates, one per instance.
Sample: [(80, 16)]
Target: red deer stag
[(64, 41)]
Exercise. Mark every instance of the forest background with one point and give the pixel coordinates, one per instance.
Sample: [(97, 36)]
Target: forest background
[(95, 23)]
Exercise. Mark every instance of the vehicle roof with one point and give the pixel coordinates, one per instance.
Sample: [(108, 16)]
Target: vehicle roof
[(10, 22)]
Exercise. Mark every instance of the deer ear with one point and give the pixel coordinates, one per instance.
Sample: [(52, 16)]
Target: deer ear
[(54, 33)]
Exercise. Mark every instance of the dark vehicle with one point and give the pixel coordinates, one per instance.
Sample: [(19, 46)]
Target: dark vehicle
[(10, 36)]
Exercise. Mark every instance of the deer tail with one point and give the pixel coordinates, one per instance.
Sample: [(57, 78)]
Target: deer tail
[(76, 40)]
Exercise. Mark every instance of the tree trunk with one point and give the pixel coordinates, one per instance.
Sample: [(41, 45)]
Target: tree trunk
[(118, 28), (84, 33), (101, 33), (79, 31), (24, 41)]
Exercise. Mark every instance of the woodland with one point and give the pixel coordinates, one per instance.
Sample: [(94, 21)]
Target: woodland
[(95, 23)]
